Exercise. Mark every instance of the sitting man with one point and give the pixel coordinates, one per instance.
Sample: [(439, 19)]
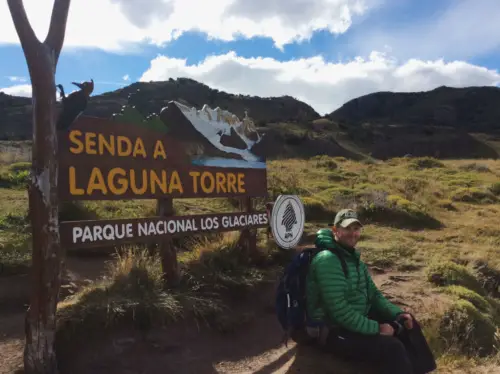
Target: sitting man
[(350, 316)]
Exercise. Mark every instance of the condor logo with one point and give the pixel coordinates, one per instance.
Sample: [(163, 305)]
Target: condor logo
[(287, 221)]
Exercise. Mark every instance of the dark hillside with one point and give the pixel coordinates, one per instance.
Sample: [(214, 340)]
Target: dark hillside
[(445, 122), (474, 109), (151, 97)]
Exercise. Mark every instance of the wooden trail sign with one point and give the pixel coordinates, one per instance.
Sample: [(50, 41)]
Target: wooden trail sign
[(102, 159), (188, 153), (82, 234)]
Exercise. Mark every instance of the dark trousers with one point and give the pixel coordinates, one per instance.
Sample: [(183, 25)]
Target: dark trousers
[(407, 353)]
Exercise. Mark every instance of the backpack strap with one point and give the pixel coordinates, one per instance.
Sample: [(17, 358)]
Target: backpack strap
[(321, 325), (341, 258)]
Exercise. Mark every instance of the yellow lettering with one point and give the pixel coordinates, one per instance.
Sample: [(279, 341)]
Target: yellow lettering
[(90, 143), (175, 182), (195, 175), (139, 148), (101, 140), (133, 183), (122, 182), (119, 181), (210, 187), (156, 181), (159, 150), (241, 183), (72, 183), (123, 141), (95, 143), (220, 182), (73, 137), (231, 183), (96, 182)]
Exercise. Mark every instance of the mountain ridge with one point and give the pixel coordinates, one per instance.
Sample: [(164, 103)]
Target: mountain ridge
[(443, 122), (473, 108), (150, 97)]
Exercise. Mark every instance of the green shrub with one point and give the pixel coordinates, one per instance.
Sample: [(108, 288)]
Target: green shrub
[(380, 207), (449, 273), (14, 222), (446, 204), (335, 177), (284, 183), (495, 188), (15, 179), (401, 203), (425, 163), (75, 211), (410, 186), (387, 257), (368, 161), (488, 276), (19, 166), (473, 297), (474, 195), (315, 209), (325, 162), (465, 328), (475, 167)]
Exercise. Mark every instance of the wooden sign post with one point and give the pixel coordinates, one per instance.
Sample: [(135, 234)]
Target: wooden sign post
[(103, 159), (41, 58)]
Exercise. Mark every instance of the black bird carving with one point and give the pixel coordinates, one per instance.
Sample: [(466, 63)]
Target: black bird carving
[(74, 104)]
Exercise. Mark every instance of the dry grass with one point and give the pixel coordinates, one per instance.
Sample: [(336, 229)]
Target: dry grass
[(133, 292), (14, 151), (440, 219)]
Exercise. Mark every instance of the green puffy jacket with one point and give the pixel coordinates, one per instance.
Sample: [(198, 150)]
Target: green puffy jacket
[(339, 301)]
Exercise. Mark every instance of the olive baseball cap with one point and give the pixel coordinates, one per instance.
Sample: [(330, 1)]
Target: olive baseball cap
[(346, 217)]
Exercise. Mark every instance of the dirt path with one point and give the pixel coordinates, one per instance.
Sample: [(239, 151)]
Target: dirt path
[(255, 348), (183, 348), (14, 299)]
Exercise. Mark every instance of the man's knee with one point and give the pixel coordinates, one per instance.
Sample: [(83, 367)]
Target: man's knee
[(395, 357), (393, 346)]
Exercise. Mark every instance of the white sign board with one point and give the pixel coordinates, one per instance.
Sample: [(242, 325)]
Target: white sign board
[(287, 221)]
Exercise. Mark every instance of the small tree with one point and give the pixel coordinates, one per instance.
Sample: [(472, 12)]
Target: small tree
[(42, 58)]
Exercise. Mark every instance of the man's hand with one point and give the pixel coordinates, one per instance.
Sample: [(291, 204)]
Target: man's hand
[(386, 329), (407, 319)]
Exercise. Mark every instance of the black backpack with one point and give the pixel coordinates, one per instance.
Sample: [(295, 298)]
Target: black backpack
[(291, 294)]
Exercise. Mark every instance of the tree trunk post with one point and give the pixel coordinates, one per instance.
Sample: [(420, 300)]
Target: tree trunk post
[(42, 58)]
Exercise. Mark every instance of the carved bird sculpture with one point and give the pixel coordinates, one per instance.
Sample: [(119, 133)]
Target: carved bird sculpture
[(74, 104)]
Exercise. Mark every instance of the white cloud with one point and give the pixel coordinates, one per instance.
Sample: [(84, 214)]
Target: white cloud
[(141, 13), (115, 24), (323, 85), (126, 77), (18, 90), (92, 23), (466, 29), (289, 20), (13, 78)]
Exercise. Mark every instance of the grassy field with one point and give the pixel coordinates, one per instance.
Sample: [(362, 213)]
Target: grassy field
[(438, 220)]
